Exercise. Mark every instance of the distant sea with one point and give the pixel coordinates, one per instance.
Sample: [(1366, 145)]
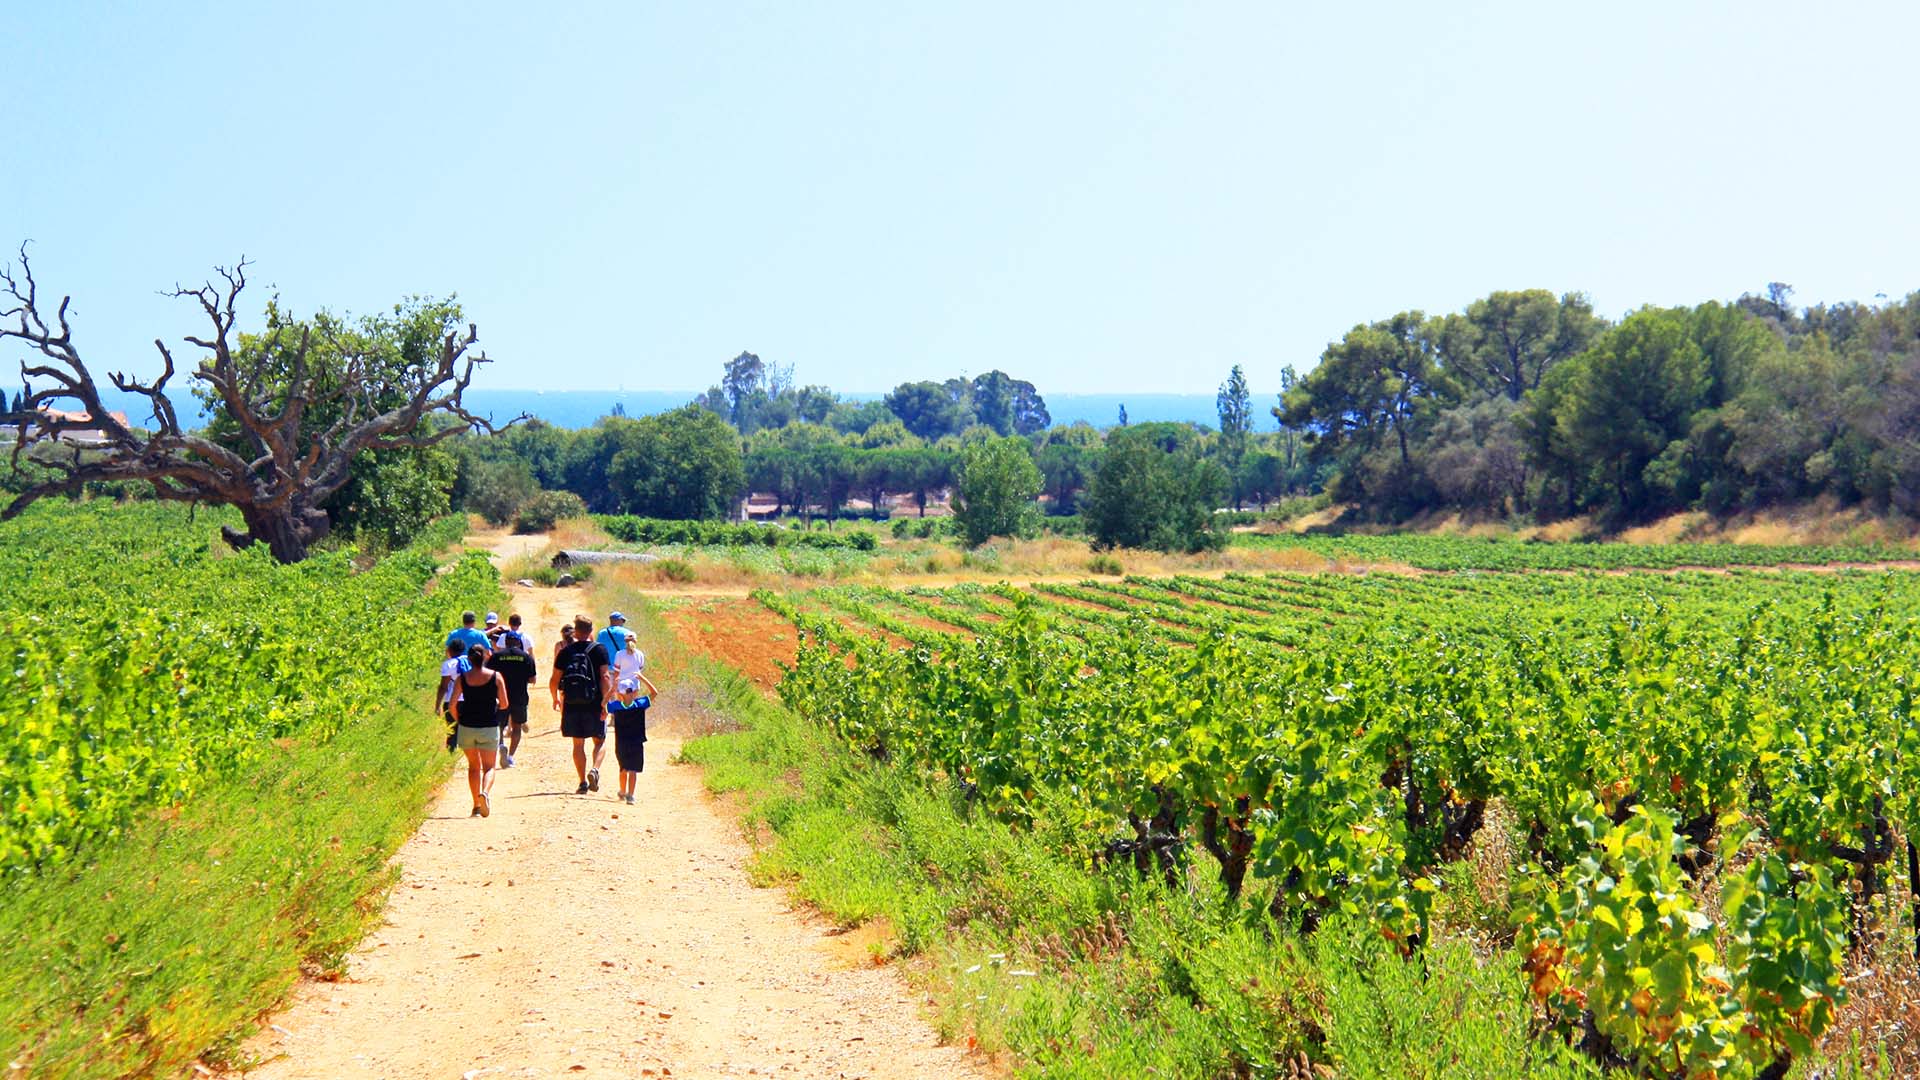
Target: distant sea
[(580, 408)]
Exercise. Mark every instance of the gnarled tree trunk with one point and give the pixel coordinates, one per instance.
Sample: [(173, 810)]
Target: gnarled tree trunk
[(288, 463)]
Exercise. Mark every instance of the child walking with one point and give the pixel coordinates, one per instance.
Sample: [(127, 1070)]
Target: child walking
[(629, 712)]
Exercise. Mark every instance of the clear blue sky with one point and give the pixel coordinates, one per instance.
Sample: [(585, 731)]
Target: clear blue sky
[(1096, 197)]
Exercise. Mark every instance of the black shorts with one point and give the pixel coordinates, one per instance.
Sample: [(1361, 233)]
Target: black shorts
[(516, 713), (583, 722), (630, 740)]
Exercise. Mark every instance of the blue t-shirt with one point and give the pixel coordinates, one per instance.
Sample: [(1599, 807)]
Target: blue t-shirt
[(614, 638), (468, 637)]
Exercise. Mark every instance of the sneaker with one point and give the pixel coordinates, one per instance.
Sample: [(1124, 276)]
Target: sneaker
[(582, 789), (486, 805), (476, 812), (507, 762), (629, 800), (593, 779)]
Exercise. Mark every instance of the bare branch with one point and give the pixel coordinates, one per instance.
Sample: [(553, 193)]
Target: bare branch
[(269, 388)]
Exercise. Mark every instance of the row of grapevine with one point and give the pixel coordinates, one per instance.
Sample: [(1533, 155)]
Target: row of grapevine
[(1493, 553), (140, 660), (1647, 734), (641, 530)]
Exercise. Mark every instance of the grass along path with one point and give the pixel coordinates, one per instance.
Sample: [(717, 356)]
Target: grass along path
[(574, 935)]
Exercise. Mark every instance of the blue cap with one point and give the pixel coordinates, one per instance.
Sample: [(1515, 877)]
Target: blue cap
[(616, 617)]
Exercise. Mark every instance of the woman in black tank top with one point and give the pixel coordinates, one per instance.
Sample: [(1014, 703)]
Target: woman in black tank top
[(481, 701)]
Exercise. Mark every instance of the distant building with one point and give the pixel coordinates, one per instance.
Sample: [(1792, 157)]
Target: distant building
[(77, 436)]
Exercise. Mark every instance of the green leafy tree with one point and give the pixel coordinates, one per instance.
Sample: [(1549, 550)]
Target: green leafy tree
[(388, 496), (929, 409), (1262, 476), (852, 418), (1289, 443), (789, 462), (685, 465), (923, 471), (1067, 458), (1154, 489), (888, 434), (496, 489), (995, 493), (1502, 346), (1369, 387), (1620, 405), (745, 376), (1008, 405)]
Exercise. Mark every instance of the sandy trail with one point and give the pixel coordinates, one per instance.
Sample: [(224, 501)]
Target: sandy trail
[(576, 936)]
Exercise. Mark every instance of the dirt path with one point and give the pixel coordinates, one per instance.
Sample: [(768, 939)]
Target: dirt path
[(575, 936)]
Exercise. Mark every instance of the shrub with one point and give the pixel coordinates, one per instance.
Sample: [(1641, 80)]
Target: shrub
[(1105, 564), (546, 509), (640, 530), (678, 570), (497, 489)]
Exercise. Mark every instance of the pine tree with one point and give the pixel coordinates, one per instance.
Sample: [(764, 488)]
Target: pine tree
[(1123, 414), (1236, 423)]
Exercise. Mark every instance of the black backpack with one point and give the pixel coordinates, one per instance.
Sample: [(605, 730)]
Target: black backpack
[(579, 682)]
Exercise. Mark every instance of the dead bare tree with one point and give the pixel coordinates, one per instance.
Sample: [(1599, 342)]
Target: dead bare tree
[(286, 469)]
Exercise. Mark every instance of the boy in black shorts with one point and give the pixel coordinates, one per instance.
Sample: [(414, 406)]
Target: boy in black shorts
[(581, 683), (513, 659), (629, 712)]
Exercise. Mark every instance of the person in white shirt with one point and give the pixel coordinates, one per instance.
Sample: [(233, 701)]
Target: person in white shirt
[(629, 662), (450, 669)]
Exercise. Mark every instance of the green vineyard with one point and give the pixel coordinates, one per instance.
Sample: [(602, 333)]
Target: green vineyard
[(1464, 553), (1703, 777), (144, 660)]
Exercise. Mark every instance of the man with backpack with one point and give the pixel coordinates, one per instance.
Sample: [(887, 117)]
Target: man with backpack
[(513, 659), (581, 684)]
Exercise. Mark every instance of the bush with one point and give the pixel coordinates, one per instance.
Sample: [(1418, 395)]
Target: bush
[(1105, 564), (497, 489), (676, 570), (546, 509), (920, 528), (640, 530)]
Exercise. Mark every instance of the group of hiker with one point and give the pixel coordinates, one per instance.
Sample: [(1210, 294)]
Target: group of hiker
[(486, 681)]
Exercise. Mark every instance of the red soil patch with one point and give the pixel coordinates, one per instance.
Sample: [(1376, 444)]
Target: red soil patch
[(739, 633)]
